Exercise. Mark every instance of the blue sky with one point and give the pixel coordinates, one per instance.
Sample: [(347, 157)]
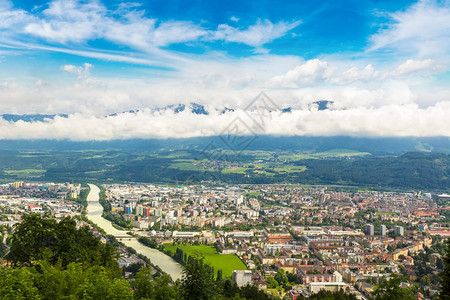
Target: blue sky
[(92, 58)]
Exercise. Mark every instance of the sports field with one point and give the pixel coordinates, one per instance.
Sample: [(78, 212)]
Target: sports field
[(226, 262)]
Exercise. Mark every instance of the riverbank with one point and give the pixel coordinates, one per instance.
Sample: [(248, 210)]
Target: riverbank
[(94, 213)]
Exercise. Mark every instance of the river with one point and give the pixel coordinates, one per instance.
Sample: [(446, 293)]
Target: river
[(94, 213)]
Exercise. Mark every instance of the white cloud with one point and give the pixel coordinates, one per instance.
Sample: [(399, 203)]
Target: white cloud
[(411, 66), (309, 73), (82, 72), (355, 74), (73, 21), (257, 35), (85, 80), (423, 29), (69, 21), (177, 32), (362, 88), (389, 120), (11, 17), (221, 81)]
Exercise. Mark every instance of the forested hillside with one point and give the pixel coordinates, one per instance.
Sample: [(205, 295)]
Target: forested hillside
[(413, 170)]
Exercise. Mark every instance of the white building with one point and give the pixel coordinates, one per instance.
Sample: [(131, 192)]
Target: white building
[(315, 287), (184, 234), (369, 229), (242, 277), (399, 230), (383, 230)]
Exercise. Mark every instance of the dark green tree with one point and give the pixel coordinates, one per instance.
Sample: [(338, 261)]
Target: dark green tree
[(230, 289), (78, 282), (37, 238), (2, 247), (160, 288), (252, 292), (439, 264), (165, 288), (133, 268), (197, 282), (445, 275), (293, 278), (44, 280), (219, 275), (391, 290), (17, 284)]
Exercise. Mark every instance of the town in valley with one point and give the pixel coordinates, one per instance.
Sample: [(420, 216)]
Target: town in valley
[(286, 239)]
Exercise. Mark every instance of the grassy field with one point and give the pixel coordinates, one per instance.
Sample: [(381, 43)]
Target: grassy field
[(236, 170), (290, 169), (340, 153), (295, 157), (185, 165), (335, 153), (386, 213), (175, 154), (226, 262), (25, 173)]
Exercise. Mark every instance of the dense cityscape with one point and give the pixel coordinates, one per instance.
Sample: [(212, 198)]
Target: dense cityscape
[(287, 240)]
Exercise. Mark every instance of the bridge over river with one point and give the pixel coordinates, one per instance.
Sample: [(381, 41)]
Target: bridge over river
[(124, 237), (94, 213)]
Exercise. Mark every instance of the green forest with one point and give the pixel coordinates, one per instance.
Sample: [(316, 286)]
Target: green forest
[(412, 170)]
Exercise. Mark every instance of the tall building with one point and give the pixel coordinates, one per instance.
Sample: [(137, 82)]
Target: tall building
[(139, 210), (383, 230), (242, 277), (369, 229), (146, 212), (239, 200), (17, 184), (399, 230)]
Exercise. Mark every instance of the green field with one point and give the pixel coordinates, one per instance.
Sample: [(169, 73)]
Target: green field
[(25, 172), (236, 170), (295, 157), (185, 165), (175, 154), (340, 153), (335, 153), (290, 169), (226, 262), (386, 213)]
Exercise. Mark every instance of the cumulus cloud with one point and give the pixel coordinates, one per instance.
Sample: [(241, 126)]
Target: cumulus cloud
[(308, 73), (221, 82), (356, 74), (82, 72), (411, 66)]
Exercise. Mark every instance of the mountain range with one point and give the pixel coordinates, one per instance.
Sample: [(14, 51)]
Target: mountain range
[(194, 108)]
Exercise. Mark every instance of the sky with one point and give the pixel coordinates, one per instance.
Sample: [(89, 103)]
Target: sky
[(384, 64)]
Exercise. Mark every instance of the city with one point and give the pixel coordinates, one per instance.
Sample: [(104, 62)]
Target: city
[(291, 239)]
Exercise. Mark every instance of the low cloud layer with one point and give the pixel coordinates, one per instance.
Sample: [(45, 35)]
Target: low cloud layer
[(389, 120)]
